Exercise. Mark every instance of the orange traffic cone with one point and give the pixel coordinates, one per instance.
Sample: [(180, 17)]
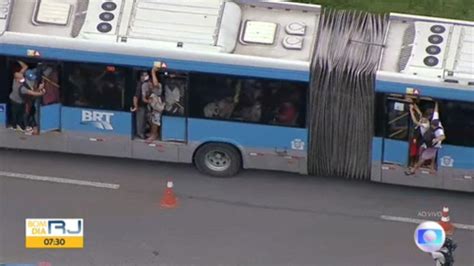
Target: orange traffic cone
[(445, 222), (169, 199)]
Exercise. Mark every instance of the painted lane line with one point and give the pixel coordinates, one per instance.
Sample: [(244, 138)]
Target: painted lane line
[(418, 221), (60, 180)]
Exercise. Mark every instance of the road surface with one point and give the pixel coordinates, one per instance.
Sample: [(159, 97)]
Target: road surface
[(256, 218)]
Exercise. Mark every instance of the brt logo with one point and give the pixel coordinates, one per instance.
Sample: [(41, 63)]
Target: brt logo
[(100, 120)]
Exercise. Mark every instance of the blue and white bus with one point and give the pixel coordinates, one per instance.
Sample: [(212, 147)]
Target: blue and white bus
[(240, 76)]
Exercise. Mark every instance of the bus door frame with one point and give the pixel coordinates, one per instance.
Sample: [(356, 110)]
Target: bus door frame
[(50, 115), (396, 151), (174, 128)]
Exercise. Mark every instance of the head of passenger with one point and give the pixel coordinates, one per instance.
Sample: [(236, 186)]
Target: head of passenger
[(31, 77), (144, 76), (428, 113), (435, 123)]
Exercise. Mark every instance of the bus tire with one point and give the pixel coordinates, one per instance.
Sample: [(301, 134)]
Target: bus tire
[(218, 160)]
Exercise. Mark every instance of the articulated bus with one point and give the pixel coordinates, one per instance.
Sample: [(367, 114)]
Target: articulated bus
[(236, 78)]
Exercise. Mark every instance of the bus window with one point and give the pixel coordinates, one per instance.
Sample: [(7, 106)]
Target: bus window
[(458, 122), (95, 86), (397, 119), (252, 100), (5, 83), (175, 88)]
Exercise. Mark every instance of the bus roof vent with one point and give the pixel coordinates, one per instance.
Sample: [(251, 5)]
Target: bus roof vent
[(296, 28), (52, 12), (259, 32), (293, 42)]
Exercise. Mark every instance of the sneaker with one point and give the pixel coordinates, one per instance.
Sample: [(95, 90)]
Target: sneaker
[(19, 129), (29, 129)]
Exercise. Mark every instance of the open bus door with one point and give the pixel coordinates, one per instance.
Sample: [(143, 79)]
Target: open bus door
[(174, 121), (397, 133), (49, 104)]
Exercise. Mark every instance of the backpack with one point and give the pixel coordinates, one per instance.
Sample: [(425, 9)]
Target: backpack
[(429, 136)]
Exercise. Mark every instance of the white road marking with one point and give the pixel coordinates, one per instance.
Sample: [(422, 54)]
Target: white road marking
[(60, 180), (418, 221)]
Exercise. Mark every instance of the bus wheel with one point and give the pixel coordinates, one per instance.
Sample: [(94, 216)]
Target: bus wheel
[(218, 160)]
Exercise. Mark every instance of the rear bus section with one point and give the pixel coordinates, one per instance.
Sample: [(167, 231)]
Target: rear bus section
[(425, 77)]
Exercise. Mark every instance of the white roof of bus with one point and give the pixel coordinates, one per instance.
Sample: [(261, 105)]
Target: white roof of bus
[(430, 48), (218, 26)]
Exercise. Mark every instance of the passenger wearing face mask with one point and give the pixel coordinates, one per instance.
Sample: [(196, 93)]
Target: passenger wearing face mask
[(423, 124)]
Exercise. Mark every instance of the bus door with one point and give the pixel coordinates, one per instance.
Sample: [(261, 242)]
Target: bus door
[(5, 86), (174, 121), (397, 132), (49, 104)]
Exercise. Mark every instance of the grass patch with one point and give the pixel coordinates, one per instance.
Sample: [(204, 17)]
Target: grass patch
[(455, 9)]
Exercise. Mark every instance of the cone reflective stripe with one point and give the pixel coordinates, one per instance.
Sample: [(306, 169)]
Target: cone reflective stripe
[(445, 222), (169, 199), (445, 216)]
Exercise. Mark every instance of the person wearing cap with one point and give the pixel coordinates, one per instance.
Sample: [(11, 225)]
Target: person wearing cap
[(20, 88)]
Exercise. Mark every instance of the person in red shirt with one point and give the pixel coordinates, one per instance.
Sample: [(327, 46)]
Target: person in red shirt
[(287, 114)]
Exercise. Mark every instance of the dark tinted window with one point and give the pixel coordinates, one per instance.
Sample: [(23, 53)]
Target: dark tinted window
[(244, 99), (458, 122), (95, 86), (379, 115), (5, 80)]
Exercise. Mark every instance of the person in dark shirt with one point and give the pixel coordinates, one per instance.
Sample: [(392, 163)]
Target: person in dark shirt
[(140, 101)]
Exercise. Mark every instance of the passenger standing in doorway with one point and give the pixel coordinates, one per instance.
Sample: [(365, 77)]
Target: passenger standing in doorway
[(140, 101), (432, 139), (17, 97), (156, 106)]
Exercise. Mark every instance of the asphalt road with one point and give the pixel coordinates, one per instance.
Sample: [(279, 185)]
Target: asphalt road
[(256, 218)]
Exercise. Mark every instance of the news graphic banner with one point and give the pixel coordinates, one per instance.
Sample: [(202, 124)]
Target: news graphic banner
[(96, 121), (54, 233)]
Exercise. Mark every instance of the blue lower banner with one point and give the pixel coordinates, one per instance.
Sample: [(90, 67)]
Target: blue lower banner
[(96, 121)]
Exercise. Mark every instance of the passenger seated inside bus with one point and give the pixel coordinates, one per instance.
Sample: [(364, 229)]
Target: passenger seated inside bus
[(51, 85), (248, 100), (95, 86), (174, 92)]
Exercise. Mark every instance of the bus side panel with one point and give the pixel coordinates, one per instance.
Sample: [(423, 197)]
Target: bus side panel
[(456, 164), (3, 115), (97, 132), (262, 146), (376, 174), (12, 139)]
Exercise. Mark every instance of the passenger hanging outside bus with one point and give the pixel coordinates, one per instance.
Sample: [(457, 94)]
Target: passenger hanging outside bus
[(156, 105), (20, 89), (432, 139), (422, 123), (32, 108)]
